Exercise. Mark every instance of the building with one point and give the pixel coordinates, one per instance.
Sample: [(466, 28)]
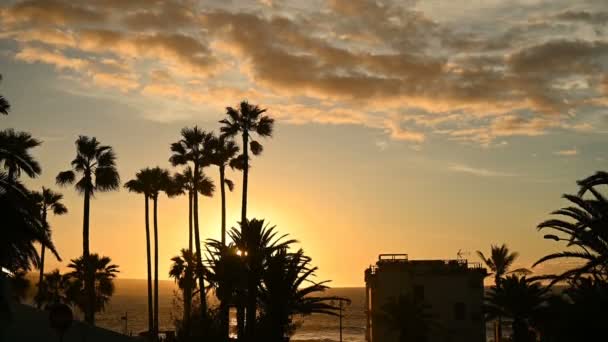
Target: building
[(453, 290)]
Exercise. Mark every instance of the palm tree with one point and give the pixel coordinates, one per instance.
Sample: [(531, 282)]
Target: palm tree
[(47, 200), (15, 153), (141, 184), (288, 290), (409, 316), (4, 105), (104, 273), (182, 270), (247, 119), (226, 272), (186, 184), (499, 263), (160, 180), (519, 299), (22, 226), (54, 289), (194, 147), (257, 242), (586, 229), (224, 154), (97, 165)]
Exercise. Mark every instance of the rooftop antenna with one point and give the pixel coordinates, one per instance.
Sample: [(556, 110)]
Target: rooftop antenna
[(461, 255)]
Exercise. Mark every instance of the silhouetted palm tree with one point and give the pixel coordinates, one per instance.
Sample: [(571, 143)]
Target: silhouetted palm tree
[(15, 153), (226, 272), (47, 200), (22, 226), (183, 271), (586, 229), (186, 184), (247, 119), (409, 316), (142, 184), (287, 290), (54, 289), (499, 263), (257, 242), (97, 165), (4, 105), (195, 147), (224, 153), (104, 273), (520, 300)]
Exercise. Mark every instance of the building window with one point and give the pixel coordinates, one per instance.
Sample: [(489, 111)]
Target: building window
[(460, 311), (419, 292)]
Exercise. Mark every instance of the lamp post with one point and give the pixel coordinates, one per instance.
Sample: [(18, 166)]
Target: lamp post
[(341, 302)]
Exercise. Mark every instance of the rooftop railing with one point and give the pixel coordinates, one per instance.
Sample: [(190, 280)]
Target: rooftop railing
[(392, 257)]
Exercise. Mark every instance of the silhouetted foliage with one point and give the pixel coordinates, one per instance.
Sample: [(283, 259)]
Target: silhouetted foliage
[(286, 290), (53, 289), (519, 299), (409, 316), (22, 226), (104, 273), (585, 227), (15, 154), (195, 148), (20, 285), (4, 104), (246, 120), (46, 201), (183, 271), (96, 164)]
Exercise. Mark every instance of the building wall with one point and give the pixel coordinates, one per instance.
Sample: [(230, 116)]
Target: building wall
[(442, 288)]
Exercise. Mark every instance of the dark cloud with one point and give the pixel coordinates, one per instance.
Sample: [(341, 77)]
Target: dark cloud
[(52, 12), (594, 18)]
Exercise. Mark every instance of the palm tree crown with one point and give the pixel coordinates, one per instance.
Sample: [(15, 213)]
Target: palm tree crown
[(96, 163), (104, 274), (500, 262), (15, 153)]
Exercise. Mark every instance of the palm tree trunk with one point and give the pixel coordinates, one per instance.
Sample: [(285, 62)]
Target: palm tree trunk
[(190, 221), (187, 302), (223, 195), (89, 282), (156, 327), (149, 261), (43, 249), (240, 320), (245, 176), (197, 244), (252, 295)]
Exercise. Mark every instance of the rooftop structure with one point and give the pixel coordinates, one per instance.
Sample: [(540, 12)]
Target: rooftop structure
[(452, 289)]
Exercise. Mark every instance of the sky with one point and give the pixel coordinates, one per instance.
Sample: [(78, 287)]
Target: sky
[(419, 127)]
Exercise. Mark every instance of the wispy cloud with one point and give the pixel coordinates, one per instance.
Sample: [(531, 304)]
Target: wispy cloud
[(567, 153), (482, 172)]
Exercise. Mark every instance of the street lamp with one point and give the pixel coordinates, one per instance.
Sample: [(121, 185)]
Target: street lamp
[(341, 302)]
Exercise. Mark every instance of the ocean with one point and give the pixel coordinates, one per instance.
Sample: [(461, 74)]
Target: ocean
[(130, 300)]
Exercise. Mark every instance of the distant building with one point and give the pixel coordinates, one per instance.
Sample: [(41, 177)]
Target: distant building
[(453, 289)]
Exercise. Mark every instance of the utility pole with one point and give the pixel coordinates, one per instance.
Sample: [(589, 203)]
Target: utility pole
[(341, 302)]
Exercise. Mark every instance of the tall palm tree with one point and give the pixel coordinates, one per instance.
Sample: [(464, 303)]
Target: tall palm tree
[(585, 226), (141, 184), (15, 153), (47, 200), (182, 270), (22, 226), (247, 119), (499, 263), (409, 316), (104, 273), (224, 154), (257, 241), (160, 181), (4, 105), (97, 165), (186, 184), (519, 299), (194, 148), (287, 290)]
